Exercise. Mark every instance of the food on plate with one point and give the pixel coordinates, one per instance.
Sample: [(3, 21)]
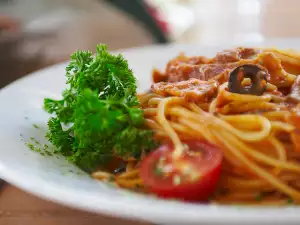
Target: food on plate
[(224, 129)]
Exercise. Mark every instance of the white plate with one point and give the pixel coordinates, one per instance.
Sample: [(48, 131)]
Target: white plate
[(52, 178)]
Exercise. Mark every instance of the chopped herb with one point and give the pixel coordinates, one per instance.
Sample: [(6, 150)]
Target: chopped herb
[(36, 146), (290, 201), (111, 179), (158, 171), (260, 196), (35, 126), (48, 153), (35, 141), (31, 146)]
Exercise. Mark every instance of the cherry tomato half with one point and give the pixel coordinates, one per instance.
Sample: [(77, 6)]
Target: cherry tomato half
[(192, 177)]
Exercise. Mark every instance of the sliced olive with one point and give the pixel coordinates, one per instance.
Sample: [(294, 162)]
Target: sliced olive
[(257, 75)]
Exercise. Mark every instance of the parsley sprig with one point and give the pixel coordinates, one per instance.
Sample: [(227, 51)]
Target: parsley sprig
[(99, 114)]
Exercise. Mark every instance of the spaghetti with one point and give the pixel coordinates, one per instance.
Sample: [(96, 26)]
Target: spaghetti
[(257, 134)]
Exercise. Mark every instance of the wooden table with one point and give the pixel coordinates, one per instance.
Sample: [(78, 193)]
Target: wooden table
[(20, 208), (278, 19)]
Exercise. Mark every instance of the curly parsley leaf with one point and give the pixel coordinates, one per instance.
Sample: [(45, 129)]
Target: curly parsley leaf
[(100, 109), (60, 138)]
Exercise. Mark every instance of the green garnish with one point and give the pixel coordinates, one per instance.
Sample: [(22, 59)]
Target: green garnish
[(99, 115), (32, 147), (260, 196), (35, 126), (35, 141), (290, 201), (158, 171), (36, 146), (111, 179)]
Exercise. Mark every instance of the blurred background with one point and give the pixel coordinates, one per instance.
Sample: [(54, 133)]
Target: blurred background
[(38, 33)]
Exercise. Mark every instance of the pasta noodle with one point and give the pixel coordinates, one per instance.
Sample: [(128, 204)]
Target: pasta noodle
[(261, 166)]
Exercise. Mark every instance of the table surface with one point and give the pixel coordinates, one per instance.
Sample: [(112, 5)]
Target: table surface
[(18, 207)]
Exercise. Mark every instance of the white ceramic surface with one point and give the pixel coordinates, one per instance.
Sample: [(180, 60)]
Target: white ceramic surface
[(59, 181)]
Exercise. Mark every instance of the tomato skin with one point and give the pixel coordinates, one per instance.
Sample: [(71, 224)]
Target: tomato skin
[(196, 190)]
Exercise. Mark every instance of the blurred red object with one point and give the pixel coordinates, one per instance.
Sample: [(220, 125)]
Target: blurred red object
[(158, 17), (9, 24)]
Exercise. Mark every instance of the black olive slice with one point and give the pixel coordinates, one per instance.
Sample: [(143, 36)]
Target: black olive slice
[(257, 75)]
